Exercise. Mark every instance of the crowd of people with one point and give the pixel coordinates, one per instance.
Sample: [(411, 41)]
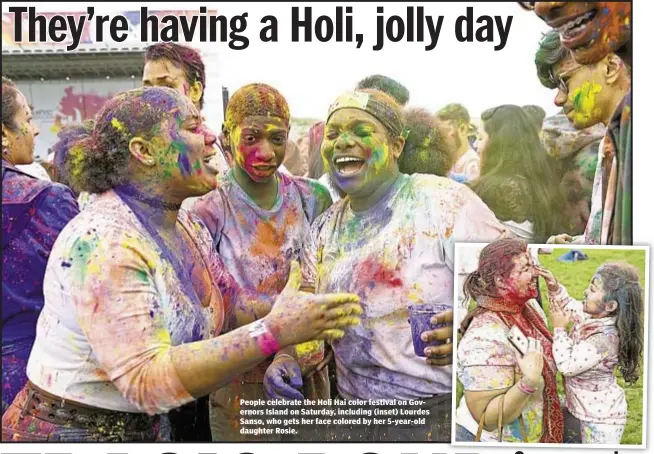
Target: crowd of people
[(168, 272)]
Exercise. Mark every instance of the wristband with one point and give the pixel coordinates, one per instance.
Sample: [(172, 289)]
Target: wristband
[(525, 388), (265, 339)]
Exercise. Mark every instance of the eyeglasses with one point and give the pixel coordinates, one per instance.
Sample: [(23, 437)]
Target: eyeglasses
[(529, 6), (560, 81)]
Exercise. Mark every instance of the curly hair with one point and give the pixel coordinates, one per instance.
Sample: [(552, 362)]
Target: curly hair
[(550, 53), (100, 161), (425, 148), (10, 105), (514, 152), (620, 284), (387, 85), (67, 138), (185, 57)]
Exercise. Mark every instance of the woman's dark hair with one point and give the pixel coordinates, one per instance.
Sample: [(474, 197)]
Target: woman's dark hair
[(518, 179), (425, 148), (68, 137), (101, 161), (10, 105), (495, 260), (620, 284)]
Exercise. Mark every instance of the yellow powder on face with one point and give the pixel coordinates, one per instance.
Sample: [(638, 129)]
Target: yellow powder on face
[(584, 101)]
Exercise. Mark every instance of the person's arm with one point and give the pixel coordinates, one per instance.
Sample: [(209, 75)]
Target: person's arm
[(574, 359), (493, 378), (121, 313), (558, 296)]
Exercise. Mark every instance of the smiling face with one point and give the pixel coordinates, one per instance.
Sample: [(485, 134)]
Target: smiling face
[(521, 283), (591, 30), (163, 73), (358, 151), (259, 146), (180, 156), (19, 140)]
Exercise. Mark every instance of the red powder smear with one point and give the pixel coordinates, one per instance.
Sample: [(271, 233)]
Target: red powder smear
[(377, 273), (448, 231)]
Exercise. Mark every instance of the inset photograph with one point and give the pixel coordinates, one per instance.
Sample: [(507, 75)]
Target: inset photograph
[(552, 344)]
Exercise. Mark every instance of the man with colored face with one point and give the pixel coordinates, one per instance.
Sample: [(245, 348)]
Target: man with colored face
[(182, 69), (592, 94), (258, 218), (590, 30), (454, 121), (391, 241)]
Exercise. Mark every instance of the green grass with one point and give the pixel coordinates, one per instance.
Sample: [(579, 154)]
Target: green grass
[(575, 277)]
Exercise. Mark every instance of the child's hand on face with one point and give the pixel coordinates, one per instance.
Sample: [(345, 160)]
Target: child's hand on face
[(559, 317), (548, 277)]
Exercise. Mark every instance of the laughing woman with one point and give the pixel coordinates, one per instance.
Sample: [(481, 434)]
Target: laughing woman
[(390, 241), (135, 296)]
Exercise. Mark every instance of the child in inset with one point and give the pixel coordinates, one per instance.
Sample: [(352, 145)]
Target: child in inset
[(607, 332)]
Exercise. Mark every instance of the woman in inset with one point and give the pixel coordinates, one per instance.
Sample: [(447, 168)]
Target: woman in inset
[(607, 333), (505, 358), (33, 213), (518, 181), (135, 298)]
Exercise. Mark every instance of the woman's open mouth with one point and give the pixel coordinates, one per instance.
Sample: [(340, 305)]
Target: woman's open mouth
[(577, 31), (348, 165)]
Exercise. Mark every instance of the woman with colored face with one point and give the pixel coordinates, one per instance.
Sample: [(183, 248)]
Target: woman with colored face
[(258, 218), (390, 241), (607, 333), (505, 356), (33, 213), (135, 297), (591, 30)]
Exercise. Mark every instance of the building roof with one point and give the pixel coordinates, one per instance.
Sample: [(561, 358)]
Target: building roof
[(98, 60)]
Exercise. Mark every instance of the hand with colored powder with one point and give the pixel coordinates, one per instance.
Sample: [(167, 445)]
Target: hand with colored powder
[(298, 317), (283, 379), (440, 355), (563, 238), (552, 284)]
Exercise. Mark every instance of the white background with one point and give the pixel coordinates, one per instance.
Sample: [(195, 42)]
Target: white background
[(470, 73)]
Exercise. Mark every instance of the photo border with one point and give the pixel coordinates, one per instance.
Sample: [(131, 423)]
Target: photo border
[(643, 445)]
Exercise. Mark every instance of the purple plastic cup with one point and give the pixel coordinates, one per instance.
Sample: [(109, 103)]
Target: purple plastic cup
[(420, 319)]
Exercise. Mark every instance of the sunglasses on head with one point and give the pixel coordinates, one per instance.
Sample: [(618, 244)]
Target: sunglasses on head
[(529, 6)]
